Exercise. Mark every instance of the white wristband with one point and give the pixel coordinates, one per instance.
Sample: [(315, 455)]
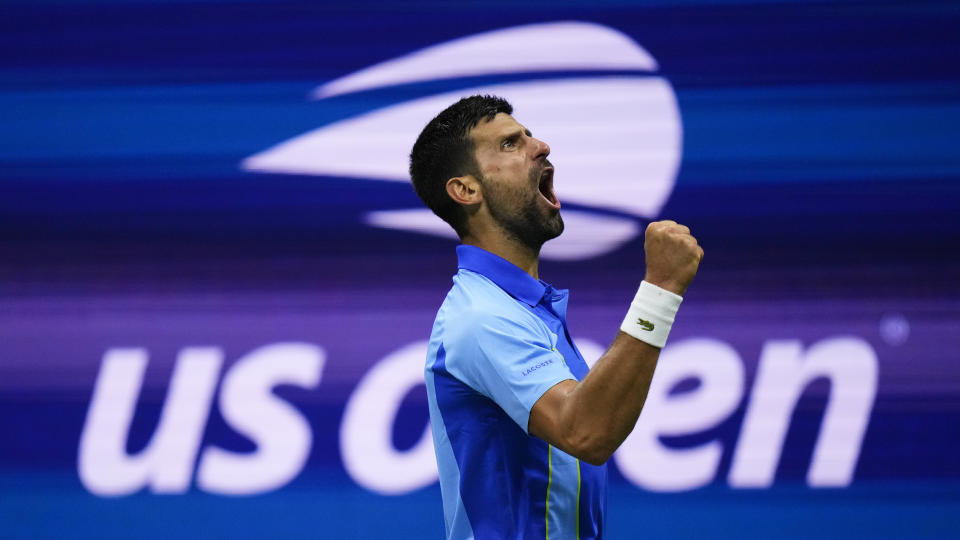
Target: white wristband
[(651, 314)]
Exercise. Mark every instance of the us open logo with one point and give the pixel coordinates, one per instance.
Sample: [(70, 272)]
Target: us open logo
[(613, 126)]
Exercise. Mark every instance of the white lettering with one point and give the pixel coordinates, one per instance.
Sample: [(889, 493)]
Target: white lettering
[(283, 437), (281, 433), (643, 459), (851, 366), (366, 443), (167, 462)]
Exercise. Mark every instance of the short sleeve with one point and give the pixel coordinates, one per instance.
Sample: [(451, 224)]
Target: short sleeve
[(511, 360)]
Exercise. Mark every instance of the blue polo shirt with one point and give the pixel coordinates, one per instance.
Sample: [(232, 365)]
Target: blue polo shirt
[(499, 342)]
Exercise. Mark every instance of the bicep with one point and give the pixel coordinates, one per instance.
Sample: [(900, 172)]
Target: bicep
[(546, 416)]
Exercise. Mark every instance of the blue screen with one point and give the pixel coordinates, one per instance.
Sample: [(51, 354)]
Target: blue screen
[(217, 284)]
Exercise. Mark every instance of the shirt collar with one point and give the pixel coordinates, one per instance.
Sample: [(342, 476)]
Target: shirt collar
[(504, 273)]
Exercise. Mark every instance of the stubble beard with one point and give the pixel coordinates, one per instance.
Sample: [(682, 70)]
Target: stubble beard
[(527, 223)]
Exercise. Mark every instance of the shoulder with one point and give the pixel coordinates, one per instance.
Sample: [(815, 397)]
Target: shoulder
[(475, 304), (476, 299)]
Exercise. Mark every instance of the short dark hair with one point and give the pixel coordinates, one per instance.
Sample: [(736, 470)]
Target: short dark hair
[(445, 150)]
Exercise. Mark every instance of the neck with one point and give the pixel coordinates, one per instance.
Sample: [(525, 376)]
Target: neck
[(520, 255)]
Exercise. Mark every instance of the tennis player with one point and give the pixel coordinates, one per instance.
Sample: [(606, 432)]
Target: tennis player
[(522, 429)]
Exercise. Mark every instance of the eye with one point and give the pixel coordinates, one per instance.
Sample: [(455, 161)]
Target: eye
[(509, 143)]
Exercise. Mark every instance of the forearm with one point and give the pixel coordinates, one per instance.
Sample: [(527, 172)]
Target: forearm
[(601, 411), (590, 419)]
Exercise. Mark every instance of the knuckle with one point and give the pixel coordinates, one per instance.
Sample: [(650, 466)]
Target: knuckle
[(660, 226)]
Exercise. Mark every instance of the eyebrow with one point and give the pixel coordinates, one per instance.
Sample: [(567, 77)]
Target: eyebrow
[(515, 134)]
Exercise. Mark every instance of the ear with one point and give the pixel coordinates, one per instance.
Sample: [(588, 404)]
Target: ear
[(465, 190)]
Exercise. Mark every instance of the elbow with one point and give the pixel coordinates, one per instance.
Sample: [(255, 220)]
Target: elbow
[(595, 449), (596, 459)]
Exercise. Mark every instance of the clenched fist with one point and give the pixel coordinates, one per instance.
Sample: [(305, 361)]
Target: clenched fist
[(673, 256)]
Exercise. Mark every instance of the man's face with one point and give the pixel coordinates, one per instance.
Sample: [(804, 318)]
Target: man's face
[(517, 180)]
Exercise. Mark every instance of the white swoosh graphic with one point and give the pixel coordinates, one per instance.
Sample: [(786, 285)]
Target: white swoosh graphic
[(557, 46), (615, 141)]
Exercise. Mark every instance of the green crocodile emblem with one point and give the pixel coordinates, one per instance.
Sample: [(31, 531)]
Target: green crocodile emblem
[(646, 325)]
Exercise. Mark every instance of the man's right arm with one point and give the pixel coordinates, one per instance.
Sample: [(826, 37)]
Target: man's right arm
[(590, 419)]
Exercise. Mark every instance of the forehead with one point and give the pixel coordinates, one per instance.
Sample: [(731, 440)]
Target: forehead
[(491, 130)]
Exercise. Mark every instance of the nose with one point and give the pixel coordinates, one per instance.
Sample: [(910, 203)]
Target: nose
[(542, 149)]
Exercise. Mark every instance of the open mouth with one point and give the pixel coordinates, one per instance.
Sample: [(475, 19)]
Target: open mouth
[(546, 188)]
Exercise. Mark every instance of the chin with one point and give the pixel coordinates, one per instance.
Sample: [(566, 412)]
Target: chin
[(558, 226)]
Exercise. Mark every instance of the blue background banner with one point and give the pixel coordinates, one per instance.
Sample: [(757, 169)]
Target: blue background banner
[(216, 285)]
